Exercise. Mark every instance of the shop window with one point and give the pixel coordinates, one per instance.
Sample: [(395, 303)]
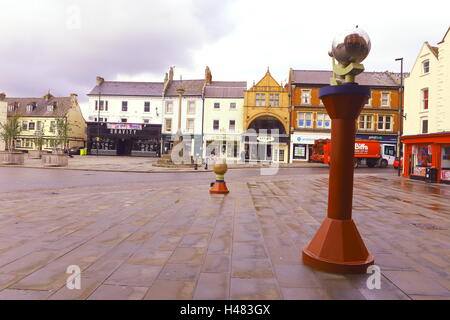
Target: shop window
[(445, 164), (281, 155), (260, 99), (421, 159), (299, 152), (424, 94)]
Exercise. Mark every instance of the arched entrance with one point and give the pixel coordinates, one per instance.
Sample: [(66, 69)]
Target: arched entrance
[(266, 140)]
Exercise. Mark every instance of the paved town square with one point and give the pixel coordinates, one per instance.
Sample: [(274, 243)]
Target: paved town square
[(142, 236)]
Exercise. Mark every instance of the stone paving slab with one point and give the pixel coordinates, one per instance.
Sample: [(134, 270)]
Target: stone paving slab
[(167, 241)]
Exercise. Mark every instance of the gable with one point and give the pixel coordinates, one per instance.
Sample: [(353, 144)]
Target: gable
[(425, 53), (267, 81)]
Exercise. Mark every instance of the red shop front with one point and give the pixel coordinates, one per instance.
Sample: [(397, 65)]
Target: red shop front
[(426, 152)]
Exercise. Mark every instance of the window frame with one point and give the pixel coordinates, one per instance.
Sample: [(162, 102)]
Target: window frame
[(166, 109), (304, 119), (388, 99), (189, 104), (260, 99), (325, 117), (302, 92), (391, 122), (214, 125), (365, 117), (427, 61), (425, 102), (124, 106), (147, 104), (168, 128)]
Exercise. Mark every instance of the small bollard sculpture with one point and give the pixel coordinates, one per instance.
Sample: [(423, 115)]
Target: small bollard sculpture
[(219, 186)]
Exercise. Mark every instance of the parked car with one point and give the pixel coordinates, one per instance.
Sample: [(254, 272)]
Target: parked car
[(396, 162), (75, 151)]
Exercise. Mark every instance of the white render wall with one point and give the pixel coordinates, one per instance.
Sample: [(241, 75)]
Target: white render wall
[(438, 84), (224, 115), (3, 115), (443, 87), (197, 116), (135, 113)]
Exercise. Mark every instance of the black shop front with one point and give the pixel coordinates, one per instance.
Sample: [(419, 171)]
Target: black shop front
[(124, 139)]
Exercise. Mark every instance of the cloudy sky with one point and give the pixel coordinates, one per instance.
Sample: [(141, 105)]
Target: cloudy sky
[(63, 45)]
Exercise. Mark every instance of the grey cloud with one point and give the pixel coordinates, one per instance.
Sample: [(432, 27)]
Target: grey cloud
[(42, 47)]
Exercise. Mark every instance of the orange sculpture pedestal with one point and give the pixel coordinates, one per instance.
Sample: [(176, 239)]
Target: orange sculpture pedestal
[(337, 246)]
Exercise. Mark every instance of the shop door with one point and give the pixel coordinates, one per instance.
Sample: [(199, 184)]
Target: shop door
[(124, 147)]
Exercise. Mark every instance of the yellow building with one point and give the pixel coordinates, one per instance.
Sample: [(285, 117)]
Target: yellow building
[(266, 115), (38, 117)]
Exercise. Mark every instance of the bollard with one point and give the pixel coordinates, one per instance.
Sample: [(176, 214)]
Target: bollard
[(220, 186)]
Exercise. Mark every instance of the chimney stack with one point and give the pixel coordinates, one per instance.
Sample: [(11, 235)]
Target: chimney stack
[(99, 81), (2, 96), (74, 98), (208, 75), (171, 74)]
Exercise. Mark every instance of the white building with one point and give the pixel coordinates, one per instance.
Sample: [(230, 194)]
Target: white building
[(182, 113), (223, 119), (427, 90), (125, 118), (125, 102)]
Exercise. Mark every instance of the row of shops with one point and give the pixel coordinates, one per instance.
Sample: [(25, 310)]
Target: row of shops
[(427, 157)]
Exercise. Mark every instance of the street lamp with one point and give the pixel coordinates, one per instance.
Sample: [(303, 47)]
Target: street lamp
[(337, 246), (400, 117)]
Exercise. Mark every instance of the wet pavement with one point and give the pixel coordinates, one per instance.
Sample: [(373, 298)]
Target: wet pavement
[(143, 236)]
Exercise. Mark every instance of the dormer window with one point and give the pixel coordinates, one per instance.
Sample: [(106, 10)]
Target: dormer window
[(50, 108), (31, 107), (11, 108)]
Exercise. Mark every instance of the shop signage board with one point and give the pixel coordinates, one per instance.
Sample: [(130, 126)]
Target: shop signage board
[(124, 126)]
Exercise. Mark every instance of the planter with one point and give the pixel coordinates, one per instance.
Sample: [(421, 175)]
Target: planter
[(34, 154), (55, 160), (12, 158)]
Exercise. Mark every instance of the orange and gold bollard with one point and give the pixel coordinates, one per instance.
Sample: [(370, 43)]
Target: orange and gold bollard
[(220, 186)]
